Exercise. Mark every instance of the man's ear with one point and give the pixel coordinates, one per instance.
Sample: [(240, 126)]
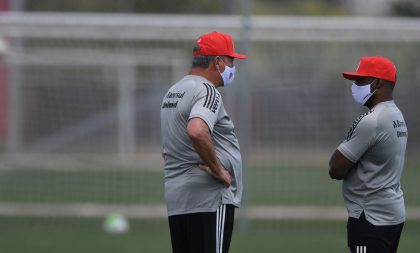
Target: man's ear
[(378, 84), (216, 62)]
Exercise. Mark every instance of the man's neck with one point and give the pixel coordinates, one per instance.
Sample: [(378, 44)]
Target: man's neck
[(206, 74), (379, 100)]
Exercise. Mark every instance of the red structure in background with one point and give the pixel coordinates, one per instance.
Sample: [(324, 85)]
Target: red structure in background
[(4, 6), (3, 101)]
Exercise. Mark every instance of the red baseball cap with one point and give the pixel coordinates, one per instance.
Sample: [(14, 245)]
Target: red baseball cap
[(216, 43), (374, 66)]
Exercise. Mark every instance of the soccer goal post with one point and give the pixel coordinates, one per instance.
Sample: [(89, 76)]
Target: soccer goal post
[(80, 97)]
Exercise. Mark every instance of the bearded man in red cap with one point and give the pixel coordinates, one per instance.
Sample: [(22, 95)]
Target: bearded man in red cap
[(203, 166), (370, 161)]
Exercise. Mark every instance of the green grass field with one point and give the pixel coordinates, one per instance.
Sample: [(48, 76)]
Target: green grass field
[(265, 185), (152, 236)]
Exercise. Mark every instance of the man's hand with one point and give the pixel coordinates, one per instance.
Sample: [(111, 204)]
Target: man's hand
[(223, 175), (339, 166)]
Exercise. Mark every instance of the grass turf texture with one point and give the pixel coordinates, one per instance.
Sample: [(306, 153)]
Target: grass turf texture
[(152, 236), (264, 185)]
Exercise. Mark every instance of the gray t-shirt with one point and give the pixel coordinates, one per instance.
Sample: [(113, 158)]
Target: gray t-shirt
[(376, 142), (189, 189)]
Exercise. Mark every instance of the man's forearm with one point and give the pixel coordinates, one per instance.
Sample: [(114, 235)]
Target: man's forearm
[(340, 166), (199, 134), (205, 149)]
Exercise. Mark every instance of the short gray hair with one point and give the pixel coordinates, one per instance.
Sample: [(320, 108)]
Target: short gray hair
[(202, 61)]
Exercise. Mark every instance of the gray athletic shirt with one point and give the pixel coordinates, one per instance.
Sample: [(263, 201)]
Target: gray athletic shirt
[(189, 189), (376, 142)]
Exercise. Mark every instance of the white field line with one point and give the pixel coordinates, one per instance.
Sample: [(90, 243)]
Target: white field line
[(159, 211)]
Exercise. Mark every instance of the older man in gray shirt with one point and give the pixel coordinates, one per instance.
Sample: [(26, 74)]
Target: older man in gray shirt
[(370, 161), (203, 167)]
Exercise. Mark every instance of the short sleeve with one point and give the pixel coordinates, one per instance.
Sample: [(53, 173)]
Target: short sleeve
[(359, 139), (206, 105)]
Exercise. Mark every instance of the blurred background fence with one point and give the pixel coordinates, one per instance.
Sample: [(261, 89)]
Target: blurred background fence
[(80, 96)]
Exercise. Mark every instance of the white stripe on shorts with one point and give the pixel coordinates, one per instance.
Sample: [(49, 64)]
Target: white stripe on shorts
[(361, 249), (217, 229), (220, 226)]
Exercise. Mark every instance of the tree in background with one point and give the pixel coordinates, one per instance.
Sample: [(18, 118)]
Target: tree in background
[(406, 8), (261, 7), (133, 6), (305, 7)]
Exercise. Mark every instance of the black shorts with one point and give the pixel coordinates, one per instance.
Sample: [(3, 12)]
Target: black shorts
[(364, 237), (208, 232)]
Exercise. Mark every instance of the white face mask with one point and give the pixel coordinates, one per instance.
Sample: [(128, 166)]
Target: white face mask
[(361, 94), (228, 74)]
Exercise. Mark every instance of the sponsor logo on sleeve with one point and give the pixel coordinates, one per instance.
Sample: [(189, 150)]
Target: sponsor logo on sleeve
[(400, 124)]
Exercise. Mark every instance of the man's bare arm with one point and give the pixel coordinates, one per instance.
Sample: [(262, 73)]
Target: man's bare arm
[(199, 133), (339, 166)]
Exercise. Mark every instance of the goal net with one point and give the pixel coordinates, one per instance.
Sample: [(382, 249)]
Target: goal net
[(80, 98)]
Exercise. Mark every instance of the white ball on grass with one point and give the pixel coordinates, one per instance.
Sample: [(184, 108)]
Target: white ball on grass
[(115, 223)]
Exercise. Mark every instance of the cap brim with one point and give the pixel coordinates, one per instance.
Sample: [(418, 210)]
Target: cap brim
[(239, 56), (352, 75)]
